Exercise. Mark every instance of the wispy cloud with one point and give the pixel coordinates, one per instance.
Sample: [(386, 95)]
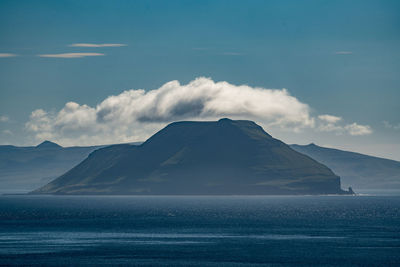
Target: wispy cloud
[(95, 45), (329, 118), (4, 118), (72, 55), (7, 55), (388, 125), (357, 129), (343, 52), (232, 54)]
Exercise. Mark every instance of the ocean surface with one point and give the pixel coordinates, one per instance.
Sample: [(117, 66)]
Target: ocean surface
[(200, 231)]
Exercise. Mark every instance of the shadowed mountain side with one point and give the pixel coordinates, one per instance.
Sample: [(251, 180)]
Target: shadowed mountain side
[(222, 157), (358, 170)]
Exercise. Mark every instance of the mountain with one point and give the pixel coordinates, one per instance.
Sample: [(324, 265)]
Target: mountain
[(23, 169), (199, 158), (358, 170), (48, 144)]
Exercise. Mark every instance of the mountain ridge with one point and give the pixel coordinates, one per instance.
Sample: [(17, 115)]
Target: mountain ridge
[(355, 169), (23, 169)]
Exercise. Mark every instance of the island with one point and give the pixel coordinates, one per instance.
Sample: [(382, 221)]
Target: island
[(224, 157)]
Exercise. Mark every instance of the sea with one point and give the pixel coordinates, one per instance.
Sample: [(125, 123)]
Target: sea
[(361, 230)]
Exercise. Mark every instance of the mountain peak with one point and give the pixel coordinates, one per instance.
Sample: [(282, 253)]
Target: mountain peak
[(48, 144), (224, 120), (224, 129)]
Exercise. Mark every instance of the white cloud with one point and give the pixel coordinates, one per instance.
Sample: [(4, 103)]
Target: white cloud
[(388, 125), (95, 45), (7, 55), (329, 118), (343, 52), (40, 122), (329, 123), (357, 129), (135, 114), (4, 118), (72, 55)]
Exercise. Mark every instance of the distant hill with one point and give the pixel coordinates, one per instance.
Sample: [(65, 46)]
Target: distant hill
[(220, 157), (23, 169), (356, 170)]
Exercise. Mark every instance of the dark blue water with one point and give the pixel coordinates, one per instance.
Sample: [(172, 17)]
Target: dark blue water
[(200, 231)]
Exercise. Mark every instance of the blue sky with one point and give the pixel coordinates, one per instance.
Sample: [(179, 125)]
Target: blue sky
[(340, 58)]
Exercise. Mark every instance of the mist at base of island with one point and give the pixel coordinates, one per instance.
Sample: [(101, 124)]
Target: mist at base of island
[(200, 230)]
